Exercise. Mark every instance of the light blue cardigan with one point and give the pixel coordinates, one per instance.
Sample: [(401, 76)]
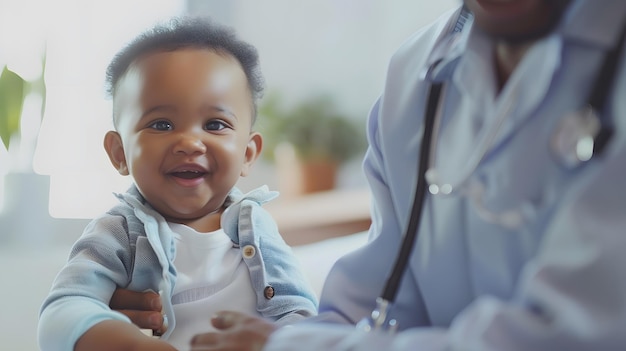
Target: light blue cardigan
[(132, 246)]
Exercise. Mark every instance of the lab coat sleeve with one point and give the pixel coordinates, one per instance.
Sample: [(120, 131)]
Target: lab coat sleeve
[(81, 292), (355, 281)]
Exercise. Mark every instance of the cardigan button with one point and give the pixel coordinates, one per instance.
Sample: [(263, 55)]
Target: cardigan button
[(268, 292), (248, 251)]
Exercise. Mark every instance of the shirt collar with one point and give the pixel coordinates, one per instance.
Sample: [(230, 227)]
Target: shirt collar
[(447, 51)]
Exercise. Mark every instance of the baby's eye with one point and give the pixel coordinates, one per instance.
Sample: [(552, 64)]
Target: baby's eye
[(215, 125), (162, 125)]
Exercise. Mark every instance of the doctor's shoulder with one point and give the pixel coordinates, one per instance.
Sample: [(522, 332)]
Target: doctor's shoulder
[(428, 41)]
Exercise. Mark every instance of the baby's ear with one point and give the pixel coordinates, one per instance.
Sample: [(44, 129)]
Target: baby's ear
[(115, 149), (253, 150)]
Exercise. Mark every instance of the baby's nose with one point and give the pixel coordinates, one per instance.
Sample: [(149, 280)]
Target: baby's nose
[(189, 143)]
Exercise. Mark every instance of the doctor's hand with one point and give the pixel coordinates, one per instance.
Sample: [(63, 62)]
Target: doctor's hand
[(236, 332), (143, 308)]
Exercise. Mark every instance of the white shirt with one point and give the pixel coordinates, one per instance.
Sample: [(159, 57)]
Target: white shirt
[(211, 276)]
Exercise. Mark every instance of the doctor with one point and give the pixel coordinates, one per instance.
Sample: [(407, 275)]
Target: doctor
[(522, 237)]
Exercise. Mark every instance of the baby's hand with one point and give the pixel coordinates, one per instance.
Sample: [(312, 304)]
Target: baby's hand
[(235, 332)]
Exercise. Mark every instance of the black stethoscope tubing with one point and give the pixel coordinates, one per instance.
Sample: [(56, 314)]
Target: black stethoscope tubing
[(393, 282), (597, 101)]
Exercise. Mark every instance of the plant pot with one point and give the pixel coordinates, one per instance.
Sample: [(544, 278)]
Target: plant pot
[(24, 216), (297, 177)]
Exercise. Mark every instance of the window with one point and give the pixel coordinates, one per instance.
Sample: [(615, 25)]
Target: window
[(80, 38)]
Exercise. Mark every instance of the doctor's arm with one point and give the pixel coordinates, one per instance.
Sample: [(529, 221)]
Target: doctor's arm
[(142, 308), (572, 296)]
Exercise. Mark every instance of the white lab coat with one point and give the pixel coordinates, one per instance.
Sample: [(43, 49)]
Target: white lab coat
[(555, 282)]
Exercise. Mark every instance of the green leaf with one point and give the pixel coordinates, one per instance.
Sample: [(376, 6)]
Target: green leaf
[(12, 91)]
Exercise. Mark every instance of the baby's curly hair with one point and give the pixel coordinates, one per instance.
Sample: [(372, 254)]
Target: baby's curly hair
[(189, 32)]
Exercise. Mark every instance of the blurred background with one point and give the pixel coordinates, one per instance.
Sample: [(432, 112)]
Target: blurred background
[(324, 63)]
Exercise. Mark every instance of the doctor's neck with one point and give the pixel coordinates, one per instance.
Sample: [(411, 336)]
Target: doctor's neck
[(506, 57)]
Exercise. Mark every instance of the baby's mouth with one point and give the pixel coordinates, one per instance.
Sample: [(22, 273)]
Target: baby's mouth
[(188, 174)]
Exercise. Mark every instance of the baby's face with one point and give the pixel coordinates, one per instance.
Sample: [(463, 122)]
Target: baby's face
[(184, 119)]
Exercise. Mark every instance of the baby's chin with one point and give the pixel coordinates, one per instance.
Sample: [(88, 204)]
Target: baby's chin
[(203, 220)]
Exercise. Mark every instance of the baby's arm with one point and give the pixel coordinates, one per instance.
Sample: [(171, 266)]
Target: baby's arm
[(78, 301), (118, 335)]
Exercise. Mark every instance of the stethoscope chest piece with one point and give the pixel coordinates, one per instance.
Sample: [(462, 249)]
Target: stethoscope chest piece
[(574, 139)]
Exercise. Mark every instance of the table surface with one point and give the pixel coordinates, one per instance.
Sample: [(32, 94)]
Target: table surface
[(323, 215)]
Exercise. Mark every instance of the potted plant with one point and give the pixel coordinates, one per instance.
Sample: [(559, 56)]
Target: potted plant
[(25, 205), (308, 142)]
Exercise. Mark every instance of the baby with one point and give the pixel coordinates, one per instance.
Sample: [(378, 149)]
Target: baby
[(184, 105)]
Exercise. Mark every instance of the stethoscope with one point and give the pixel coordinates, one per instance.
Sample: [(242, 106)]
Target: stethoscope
[(580, 137)]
